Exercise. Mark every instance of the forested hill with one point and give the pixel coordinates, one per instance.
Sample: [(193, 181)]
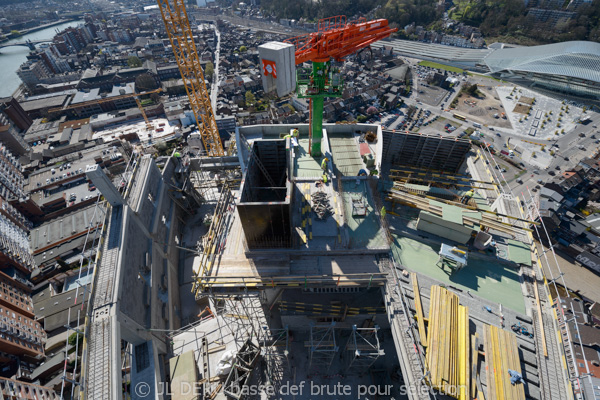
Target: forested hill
[(401, 12), (507, 20), (512, 20)]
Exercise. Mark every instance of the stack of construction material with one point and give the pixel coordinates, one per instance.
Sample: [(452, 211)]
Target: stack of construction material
[(321, 205), (501, 355), (448, 344)]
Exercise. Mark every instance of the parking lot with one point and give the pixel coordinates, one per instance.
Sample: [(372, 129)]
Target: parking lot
[(430, 93), (547, 117)]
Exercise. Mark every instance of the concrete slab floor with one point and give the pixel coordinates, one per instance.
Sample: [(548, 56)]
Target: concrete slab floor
[(314, 233), (496, 282), (306, 166), (363, 231), (344, 149)]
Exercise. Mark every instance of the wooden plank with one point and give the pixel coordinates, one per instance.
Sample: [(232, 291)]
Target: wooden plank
[(432, 331), (215, 349), (444, 322), (519, 390), (501, 363), (436, 332), (466, 383), (474, 369), (491, 390), (501, 354), (462, 359), (539, 313), (448, 351), (419, 310)]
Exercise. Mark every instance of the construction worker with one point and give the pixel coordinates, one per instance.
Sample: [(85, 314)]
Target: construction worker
[(324, 164), (324, 178), (467, 196), (294, 134)]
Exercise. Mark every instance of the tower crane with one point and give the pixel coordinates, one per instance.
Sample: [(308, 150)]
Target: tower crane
[(335, 39), (176, 21)]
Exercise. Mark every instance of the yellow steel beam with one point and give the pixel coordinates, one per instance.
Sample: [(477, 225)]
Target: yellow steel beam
[(139, 104)]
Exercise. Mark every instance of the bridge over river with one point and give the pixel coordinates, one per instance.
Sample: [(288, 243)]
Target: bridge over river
[(28, 43)]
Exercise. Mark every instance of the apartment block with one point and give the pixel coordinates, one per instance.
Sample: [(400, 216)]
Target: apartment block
[(20, 335), (11, 389)]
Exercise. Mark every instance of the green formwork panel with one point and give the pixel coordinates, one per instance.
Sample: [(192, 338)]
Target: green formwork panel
[(494, 281)]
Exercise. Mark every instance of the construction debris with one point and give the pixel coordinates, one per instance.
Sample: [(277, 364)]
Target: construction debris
[(321, 205), (359, 206)]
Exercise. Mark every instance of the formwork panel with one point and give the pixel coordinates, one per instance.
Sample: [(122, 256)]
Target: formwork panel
[(423, 151), (264, 207)]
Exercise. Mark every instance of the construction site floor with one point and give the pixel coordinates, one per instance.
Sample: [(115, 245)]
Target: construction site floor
[(493, 281), (306, 166), (346, 157), (363, 231)]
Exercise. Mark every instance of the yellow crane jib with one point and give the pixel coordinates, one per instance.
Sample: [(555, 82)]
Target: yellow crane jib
[(176, 21)]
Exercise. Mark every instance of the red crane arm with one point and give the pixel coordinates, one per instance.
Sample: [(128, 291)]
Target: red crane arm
[(337, 39)]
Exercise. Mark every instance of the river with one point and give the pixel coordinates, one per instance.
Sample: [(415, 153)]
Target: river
[(11, 58)]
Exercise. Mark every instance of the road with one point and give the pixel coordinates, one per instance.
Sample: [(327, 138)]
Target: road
[(580, 279), (570, 146)]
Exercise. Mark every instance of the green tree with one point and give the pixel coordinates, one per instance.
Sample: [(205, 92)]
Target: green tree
[(134, 62), (250, 99), (74, 338), (144, 83), (243, 49), (361, 118), (15, 32), (472, 89), (209, 70)]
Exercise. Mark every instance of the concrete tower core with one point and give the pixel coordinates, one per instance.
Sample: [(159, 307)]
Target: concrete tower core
[(265, 202)]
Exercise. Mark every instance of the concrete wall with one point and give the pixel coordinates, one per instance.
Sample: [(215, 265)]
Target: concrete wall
[(265, 212)]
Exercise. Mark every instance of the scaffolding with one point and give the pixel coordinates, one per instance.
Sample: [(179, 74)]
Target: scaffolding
[(322, 346), (241, 371), (213, 243), (242, 314), (363, 345), (209, 181), (92, 241), (274, 348)]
